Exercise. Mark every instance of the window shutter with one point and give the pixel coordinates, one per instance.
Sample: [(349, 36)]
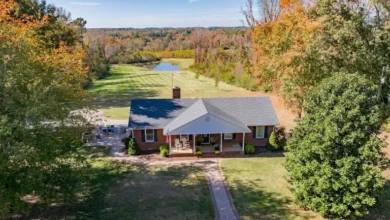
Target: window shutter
[(234, 135), (265, 131), (155, 134), (254, 132), (143, 135)]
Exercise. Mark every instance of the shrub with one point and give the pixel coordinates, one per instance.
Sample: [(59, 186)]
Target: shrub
[(249, 148), (133, 147), (199, 140), (273, 142), (213, 140), (164, 147), (125, 141), (164, 152), (281, 136), (199, 153), (217, 152), (335, 163)]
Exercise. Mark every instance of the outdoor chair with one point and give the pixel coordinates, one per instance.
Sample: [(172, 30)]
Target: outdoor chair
[(186, 144), (178, 145)]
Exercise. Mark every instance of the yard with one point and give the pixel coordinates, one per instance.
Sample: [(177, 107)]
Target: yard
[(121, 191), (260, 191), (113, 94)]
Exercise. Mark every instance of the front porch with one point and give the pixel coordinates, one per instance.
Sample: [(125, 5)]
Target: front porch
[(228, 147)]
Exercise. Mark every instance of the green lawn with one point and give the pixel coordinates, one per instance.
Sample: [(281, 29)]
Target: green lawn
[(113, 190), (113, 94), (260, 191)]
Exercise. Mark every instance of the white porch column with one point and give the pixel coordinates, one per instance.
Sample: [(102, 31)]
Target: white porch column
[(243, 141), (170, 144), (221, 142), (193, 142)]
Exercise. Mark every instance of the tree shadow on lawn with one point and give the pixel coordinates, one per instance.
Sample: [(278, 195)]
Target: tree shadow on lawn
[(382, 210), (253, 202), (113, 190)]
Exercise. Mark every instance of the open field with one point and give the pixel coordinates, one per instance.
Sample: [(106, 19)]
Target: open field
[(260, 190), (113, 94), (113, 190)]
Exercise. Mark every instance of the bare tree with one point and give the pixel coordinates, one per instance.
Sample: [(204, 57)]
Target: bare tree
[(200, 38), (266, 11)]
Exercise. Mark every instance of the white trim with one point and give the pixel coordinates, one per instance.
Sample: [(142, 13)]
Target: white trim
[(221, 143), (146, 136), (193, 142), (224, 136), (243, 142), (170, 144), (260, 137)]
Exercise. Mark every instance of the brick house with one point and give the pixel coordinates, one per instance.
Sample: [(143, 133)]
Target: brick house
[(229, 122)]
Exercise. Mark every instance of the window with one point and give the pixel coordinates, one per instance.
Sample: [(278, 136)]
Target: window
[(260, 131), (228, 136), (149, 135)]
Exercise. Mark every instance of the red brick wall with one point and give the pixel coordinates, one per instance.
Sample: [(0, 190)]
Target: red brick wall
[(262, 142), (150, 146), (248, 137), (146, 146)]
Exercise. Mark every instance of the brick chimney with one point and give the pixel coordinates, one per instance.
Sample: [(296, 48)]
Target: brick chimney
[(176, 92)]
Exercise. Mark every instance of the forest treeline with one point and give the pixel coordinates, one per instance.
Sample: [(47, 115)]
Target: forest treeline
[(296, 44), (130, 45), (290, 48)]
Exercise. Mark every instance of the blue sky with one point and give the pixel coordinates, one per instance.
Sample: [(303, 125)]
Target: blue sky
[(154, 13)]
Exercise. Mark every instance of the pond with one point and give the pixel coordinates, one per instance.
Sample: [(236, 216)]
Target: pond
[(164, 66)]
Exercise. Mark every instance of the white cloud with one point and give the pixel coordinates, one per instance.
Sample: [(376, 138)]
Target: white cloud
[(85, 3), (191, 1)]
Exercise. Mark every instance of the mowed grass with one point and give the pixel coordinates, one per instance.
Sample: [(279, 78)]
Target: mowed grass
[(113, 94), (260, 190), (113, 190)]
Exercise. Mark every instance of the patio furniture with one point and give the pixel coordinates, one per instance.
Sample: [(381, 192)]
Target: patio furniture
[(186, 144), (178, 145), (87, 137)]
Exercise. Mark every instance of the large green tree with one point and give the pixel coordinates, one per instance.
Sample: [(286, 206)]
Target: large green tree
[(355, 36), (336, 162), (39, 138)]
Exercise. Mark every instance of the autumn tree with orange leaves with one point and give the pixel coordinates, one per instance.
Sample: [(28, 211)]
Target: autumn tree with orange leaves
[(280, 53), (311, 40), (40, 85)]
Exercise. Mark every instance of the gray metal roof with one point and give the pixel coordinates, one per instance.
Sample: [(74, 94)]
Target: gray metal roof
[(158, 113), (205, 109)]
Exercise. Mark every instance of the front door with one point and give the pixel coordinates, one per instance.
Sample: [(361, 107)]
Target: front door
[(206, 138)]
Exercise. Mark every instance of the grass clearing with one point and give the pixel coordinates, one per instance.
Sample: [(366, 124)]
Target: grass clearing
[(260, 190), (113, 190), (113, 94)]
